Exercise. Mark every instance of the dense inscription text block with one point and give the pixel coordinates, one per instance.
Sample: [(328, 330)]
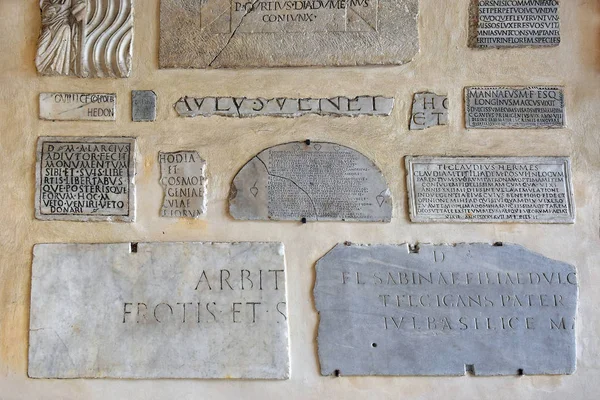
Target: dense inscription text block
[(490, 189), (159, 310), (445, 310)]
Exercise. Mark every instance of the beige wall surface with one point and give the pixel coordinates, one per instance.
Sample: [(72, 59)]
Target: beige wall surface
[(444, 65)]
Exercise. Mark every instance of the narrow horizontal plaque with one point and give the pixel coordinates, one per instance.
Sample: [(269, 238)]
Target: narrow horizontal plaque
[(159, 310), (242, 107), (510, 23), (445, 310), (310, 181), (514, 107), (85, 179), (78, 106), (490, 189), (232, 34), (183, 178)]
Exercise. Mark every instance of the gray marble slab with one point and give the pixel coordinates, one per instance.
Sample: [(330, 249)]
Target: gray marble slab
[(143, 106), (237, 34), (242, 107), (314, 181), (85, 179), (183, 178), (445, 310), (78, 106), (488, 107), (509, 23), (85, 38), (159, 310), (490, 189), (428, 109)]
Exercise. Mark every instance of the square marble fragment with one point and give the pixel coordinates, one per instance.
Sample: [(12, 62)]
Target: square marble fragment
[(445, 310), (159, 310), (428, 109), (143, 106), (238, 34)]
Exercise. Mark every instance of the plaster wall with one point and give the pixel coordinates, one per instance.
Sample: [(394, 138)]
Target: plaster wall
[(444, 65)]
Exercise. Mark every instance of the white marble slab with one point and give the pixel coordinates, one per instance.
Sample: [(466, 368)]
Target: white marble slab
[(78, 106)]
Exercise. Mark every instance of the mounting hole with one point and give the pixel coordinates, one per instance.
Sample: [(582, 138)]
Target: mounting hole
[(373, 345), (303, 220), (307, 141), (520, 372), (337, 373), (498, 244), (133, 247)]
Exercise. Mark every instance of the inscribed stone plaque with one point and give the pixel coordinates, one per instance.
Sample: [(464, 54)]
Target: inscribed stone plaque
[(428, 109), (159, 310), (445, 310), (514, 107), (514, 23), (143, 105), (85, 38), (231, 33), (310, 182), (243, 107), (490, 189), (78, 106), (85, 179), (183, 178)]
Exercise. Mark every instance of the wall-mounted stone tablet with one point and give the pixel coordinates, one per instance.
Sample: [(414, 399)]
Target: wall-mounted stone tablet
[(508, 23), (242, 107), (445, 310), (85, 179), (183, 178), (86, 38), (234, 34), (78, 106), (310, 181), (428, 109), (490, 189), (159, 310), (514, 107), (143, 106)]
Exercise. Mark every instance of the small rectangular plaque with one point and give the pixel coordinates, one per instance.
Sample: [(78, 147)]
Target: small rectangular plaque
[(183, 178), (159, 310), (78, 106), (143, 105), (85, 179), (237, 34), (514, 107), (445, 310), (509, 23), (490, 189)]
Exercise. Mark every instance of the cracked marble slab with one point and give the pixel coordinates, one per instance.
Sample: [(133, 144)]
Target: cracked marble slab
[(445, 310), (183, 178), (78, 106), (237, 34), (159, 310), (310, 181), (428, 109)]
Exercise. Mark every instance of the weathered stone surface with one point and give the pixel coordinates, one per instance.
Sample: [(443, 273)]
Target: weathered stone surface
[(143, 106), (509, 23), (183, 178), (428, 109), (445, 310), (243, 107), (86, 38), (514, 107), (85, 179), (159, 310), (229, 33), (78, 106), (490, 189), (310, 182)]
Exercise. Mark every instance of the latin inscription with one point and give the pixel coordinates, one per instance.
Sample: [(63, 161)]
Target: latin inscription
[(514, 107), (312, 181), (78, 106), (515, 23), (242, 107), (445, 310), (183, 178), (143, 106), (490, 189), (85, 179), (159, 310), (428, 109)]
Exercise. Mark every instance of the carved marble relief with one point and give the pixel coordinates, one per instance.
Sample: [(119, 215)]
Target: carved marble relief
[(85, 38)]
